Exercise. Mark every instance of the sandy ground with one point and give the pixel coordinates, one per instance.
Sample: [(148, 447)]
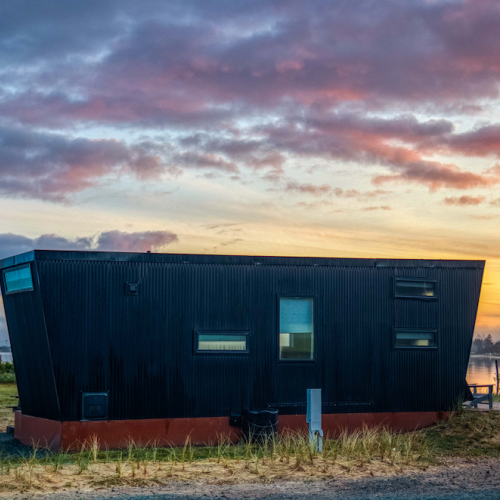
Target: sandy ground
[(460, 479)]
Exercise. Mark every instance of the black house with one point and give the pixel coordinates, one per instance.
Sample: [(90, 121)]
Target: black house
[(157, 346)]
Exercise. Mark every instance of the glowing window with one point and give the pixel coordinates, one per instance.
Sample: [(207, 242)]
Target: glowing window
[(415, 338), (407, 287), (18, 279), (296, 335), (221, 342)]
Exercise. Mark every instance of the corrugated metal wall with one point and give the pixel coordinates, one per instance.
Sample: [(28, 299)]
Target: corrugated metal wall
[(30, 349), (140, 349)]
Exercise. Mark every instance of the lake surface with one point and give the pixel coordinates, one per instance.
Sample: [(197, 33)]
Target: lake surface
[(482, 370)]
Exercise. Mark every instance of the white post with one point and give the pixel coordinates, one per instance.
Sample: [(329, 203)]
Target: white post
[(314, 418)]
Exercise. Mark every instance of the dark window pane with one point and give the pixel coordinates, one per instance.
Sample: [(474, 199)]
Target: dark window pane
[(409, 288), (221, 342), (296, 328), (296, 346), (417, 338), (18, 279)]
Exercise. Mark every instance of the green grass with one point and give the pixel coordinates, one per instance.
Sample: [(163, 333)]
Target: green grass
[(6, 414), (468, 432)]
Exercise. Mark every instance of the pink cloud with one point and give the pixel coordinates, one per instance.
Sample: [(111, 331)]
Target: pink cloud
[(134, 242), (54, 166), (308, 188), (382, 207), (434, 175), (464, 201), (51, 166), (354, 193), (371, 141)]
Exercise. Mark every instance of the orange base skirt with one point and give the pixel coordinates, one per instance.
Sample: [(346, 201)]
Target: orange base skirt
[(201, 431)]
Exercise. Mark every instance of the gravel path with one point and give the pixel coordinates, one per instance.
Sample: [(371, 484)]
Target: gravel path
[(9, 447), (461, 480)]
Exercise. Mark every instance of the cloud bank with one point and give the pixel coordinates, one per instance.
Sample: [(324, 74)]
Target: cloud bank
[(248, 89), (13, 244)]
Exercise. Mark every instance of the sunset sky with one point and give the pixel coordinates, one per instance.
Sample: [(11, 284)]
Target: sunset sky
[(312, 128)]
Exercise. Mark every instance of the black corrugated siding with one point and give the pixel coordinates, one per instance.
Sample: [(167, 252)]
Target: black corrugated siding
[(30, 349), (140, 348)]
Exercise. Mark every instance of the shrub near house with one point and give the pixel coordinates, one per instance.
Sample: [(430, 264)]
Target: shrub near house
[(7, 375)]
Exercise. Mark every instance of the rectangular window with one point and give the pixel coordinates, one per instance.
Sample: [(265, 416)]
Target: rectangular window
[(221, 342), (18, 279), (296, 328), (408, 337), (408, 287)]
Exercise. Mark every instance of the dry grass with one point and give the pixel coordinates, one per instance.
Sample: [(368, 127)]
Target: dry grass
[(467, 432), (366, 452), (36, 477)]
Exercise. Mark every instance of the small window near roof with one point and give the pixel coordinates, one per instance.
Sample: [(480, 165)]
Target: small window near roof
[(296, 328), (18, 279), (415, 338), (407, 287), (221, 342)]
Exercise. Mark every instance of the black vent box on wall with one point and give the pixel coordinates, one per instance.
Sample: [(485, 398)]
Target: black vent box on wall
[(94, 406)]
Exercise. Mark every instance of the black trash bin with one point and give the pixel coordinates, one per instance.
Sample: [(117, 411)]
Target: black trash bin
[(259, 425)]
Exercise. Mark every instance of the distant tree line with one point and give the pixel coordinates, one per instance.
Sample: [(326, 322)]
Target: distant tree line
[(485, 346)]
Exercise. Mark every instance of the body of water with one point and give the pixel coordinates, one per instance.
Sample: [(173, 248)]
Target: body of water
[(482, 370)]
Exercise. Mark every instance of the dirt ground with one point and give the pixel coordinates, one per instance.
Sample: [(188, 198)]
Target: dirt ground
[(459, 479)]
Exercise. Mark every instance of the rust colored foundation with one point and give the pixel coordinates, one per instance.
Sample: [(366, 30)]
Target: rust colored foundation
[(163, 432), (35, 431), (202, 431), (333, 424)]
